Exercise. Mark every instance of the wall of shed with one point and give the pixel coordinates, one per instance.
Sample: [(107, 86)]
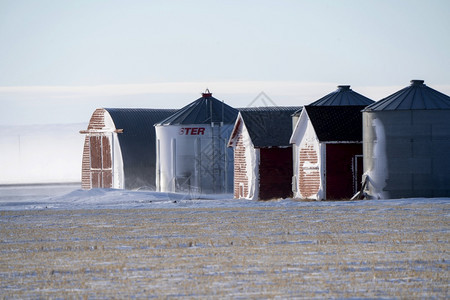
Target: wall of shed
[(309, 175), (241, 182), (118, 175), (85, 166), (246, 166), (294, 149), (309, 169), (275, 173), (406, 153), (97, 122), (341, 170), (101, 163)]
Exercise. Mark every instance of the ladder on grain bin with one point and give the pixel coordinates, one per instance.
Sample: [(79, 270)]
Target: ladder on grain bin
[(211, 158)]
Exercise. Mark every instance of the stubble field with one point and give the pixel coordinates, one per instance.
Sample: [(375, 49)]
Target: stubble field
[(308, 251)]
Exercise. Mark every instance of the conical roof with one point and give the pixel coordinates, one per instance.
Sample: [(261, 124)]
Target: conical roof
[(344, 95), (417, 96), (205, 110)]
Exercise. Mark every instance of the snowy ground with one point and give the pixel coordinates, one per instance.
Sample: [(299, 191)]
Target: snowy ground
[(70, 196), (59, 241)]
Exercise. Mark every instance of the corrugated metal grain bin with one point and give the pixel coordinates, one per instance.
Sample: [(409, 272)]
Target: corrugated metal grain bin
[(406, 147), (191, 148)]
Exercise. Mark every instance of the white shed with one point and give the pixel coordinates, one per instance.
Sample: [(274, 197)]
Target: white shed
[(262, 153)]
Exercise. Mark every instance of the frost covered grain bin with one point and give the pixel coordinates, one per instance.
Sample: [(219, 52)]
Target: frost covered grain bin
[(119, 148), (407, 143), (192, 153), (262, 153), (327, 146)]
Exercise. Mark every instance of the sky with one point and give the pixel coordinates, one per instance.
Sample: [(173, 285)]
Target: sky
[(60, 60)]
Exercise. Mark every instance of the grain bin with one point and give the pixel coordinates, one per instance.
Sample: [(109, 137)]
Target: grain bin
[(192, 153), (406, 143)]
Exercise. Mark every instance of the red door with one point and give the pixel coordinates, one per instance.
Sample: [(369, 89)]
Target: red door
[(100, 161), (340, 172)]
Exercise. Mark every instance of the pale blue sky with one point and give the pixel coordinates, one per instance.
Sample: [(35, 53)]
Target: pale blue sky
[(60, 60)]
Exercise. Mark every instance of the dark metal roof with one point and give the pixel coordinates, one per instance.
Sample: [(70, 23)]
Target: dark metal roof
[(417, 96), (204, 110), (269, 126), (336, 123), (137, 143), (297, 112), (297, 109), (344, 95), (270, 108)]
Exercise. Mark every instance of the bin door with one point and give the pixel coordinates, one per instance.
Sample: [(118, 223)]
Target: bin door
[(100, 161)]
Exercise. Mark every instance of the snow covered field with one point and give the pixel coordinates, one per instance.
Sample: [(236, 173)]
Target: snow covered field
[(59, 241)]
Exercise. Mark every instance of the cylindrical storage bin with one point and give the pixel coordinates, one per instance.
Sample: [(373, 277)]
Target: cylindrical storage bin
[(192, 153), (406, 140)]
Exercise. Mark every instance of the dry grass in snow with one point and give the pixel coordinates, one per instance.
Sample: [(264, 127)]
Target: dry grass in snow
[(310, 251)]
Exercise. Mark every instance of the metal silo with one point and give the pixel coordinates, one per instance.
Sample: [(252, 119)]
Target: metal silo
[(191, 148), (406, 146)]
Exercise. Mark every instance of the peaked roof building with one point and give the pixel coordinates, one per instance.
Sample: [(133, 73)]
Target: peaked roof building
[(344, 95), (327, 146), (417, 96), (262, 153)]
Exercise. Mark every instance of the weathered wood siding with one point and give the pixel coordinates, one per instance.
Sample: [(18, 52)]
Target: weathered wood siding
[(100, 169), (275, 173), (97, 159), (309, 173), (85, 166), (241, 184)]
